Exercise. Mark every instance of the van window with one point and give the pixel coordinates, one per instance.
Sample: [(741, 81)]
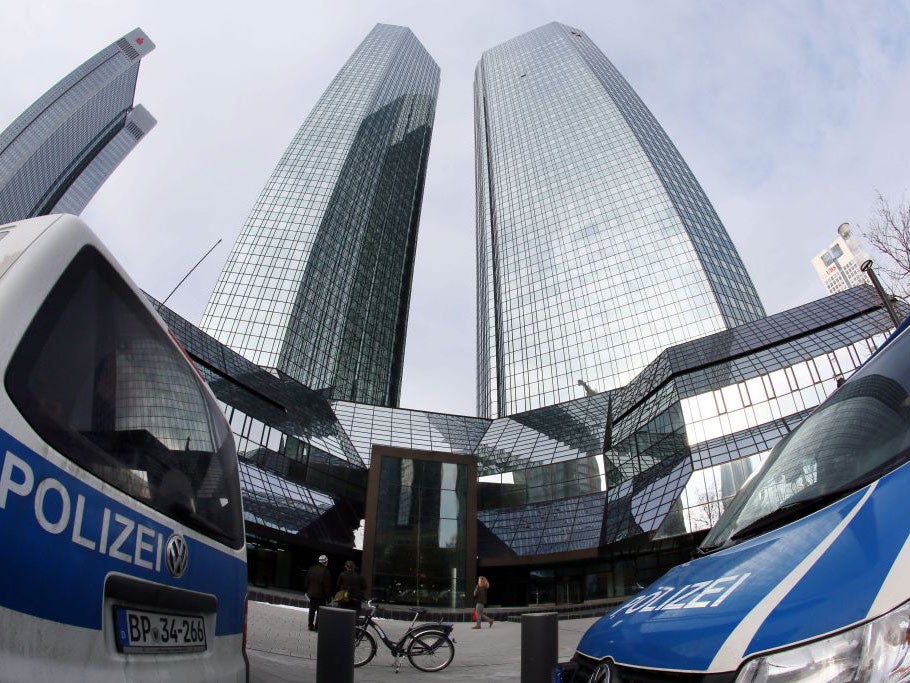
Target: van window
[(100, 381), (853, 438)]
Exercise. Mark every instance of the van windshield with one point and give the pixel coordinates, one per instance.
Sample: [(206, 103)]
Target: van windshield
[(99, 380), (860, 433)]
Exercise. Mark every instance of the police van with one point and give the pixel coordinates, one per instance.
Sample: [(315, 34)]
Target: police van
[(122, 553), (806, 576)]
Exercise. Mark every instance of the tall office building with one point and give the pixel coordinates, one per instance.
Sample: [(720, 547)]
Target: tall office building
[(318, 283), (596, 246), (838, 266), (57, 154)]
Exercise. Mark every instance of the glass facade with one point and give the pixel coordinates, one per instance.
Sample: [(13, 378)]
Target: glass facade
[(419, 536), (66, 144), (583, 500), (318, 283), (596, 246)]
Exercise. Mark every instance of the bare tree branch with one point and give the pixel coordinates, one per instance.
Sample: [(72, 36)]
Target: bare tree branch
[(888, 232), (706, 511)]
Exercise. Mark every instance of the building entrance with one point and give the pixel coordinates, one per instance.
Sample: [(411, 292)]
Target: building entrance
[(420, 539)]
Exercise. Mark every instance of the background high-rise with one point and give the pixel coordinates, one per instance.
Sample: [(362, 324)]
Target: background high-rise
[(59, 151), (838, 266)]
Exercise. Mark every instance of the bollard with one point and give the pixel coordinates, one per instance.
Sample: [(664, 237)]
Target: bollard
[(539, 646), (335, 646)]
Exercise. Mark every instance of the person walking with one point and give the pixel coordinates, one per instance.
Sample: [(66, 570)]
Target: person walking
[(480, 597), (351, 587), (318, 587)]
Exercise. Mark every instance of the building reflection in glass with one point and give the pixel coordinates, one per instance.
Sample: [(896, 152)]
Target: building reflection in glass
[(418, 549)]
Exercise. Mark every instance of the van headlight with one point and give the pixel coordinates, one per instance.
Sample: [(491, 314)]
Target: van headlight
[(878, 651)]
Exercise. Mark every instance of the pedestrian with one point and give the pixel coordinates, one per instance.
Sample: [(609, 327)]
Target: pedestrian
[(480, 597), (318, 587), (351, 587)]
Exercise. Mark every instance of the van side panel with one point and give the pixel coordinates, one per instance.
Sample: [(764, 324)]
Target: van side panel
[(55, 527)]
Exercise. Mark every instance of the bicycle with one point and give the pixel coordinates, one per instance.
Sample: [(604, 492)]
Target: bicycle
[(428, 647)]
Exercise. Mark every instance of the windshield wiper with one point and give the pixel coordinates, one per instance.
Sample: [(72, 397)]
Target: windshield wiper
[(703, 550)]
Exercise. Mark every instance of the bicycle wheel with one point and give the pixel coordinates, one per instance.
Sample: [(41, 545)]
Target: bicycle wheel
[(430, 651), (364, 648)]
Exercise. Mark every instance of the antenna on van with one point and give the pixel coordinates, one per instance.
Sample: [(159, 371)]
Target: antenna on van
[(188, 274)]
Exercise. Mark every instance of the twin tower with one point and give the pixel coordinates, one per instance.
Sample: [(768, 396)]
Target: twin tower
[(596, 246)]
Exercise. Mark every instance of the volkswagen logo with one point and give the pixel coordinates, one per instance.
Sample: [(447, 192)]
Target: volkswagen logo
[(601, 674), (176, 555)]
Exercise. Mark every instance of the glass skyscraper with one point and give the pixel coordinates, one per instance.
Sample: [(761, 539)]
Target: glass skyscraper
[(596, 246), (318, 283), (59, 151)]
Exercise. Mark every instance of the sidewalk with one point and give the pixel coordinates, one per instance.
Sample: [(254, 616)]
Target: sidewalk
[(282, 649)]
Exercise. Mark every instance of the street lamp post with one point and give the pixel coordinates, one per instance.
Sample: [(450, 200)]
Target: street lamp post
[(588, 390), (867, 269)]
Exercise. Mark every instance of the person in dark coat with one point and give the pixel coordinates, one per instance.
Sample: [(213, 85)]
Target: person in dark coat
[(355, 585), (318, 587)]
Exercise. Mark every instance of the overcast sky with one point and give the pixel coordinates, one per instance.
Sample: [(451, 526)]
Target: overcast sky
[(791, 115)]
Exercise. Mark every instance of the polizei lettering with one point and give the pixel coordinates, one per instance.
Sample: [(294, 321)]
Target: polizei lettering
[(59, 513), (699, 595)]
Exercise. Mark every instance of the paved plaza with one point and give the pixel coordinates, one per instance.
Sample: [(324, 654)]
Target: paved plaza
[(281, 649)]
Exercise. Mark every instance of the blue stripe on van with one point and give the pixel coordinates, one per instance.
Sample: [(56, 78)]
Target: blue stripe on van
[(55, 570), (868, 547)]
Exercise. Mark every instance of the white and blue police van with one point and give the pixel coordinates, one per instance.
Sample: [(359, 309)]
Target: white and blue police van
[(122, 553), (806, 576)]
